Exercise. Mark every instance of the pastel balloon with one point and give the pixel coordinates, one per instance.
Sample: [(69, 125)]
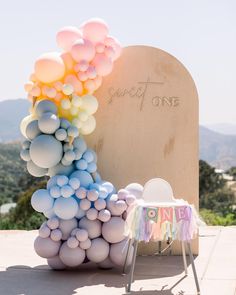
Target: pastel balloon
[(110, 41), (92, 167), (82, 50), (106, 264), (90, 104), (98, 251), (130, 199), (80, 213), (92, 214), (53, 223), (56, 263), (100, 204), (41, 200), (44, 231), (88, 126), (118, 253), (46, 151), (69, 64), (65, 208), (85, 244), (56, 235), (75, 83), (67, 191), (71, 257), (81, 235), (32, 129), (49, 213), (95, 30), (80, 144), (92, 195), (46, 247), (103, 64), (85, 204), (67, 36), (93, 227), (72, 242), (135, 189), (61, 134), (113, 230), (81, 193), (35, 170), (49, 67), (48, 123), (24, 123), (60, 169), (66, 226), (45, 106), (74, 183), (104, 215), (26, 144), (24, 154), (84, 177)]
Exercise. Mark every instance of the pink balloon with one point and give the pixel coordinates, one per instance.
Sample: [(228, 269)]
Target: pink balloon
[(91, 72), (110, 41), (82, 76), (89, 85), (49, 67), (110, 52), (68, 60), (100, 47), (95, 30), (97, 81), (51, 92), (67, 36), (81, 66), (77, 85), (103, 64), (82, 50), (35, 91)]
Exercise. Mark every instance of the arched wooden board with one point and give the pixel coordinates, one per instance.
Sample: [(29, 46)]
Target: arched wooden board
[(147, 123)]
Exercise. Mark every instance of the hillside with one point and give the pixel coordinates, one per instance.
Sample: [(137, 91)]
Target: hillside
[(219, 150), (11, 114)]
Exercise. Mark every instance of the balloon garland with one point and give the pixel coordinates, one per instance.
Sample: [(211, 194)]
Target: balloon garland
[(85, 215)]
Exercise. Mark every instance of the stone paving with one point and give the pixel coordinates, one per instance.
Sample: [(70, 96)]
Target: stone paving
[(23, 272)]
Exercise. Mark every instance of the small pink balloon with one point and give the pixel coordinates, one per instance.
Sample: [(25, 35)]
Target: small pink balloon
[(36, 91), (91, 72), (77, 85), (58, 85), (103, 64), (58, 97), (89, 85), (68, 60), (109, 52), (82, 50), (51, 92), (67, 36), (100, 47), (110, 41), (49, 67), (83, 65), (97, 81), (28, 86), (82, 76), (95, 30)]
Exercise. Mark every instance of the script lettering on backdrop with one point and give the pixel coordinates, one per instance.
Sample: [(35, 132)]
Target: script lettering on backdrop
[(140, 90)]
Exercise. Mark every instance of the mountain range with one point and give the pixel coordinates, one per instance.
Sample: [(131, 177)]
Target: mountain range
[(217, 143)]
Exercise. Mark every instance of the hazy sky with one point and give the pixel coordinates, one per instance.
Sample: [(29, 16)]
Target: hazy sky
[(201, 34)]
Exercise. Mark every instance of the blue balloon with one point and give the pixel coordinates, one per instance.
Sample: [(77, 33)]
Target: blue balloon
[(92, 167), (88, 156), (65, 208), (41, 200), (80, 144), (81, 164), (84, 177)]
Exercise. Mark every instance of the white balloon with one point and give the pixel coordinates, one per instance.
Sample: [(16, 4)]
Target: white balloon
[(56, 235), (100, 204), (81, 235), (72, 242), (53, 223), (35, 170), (44, 231), (88, 126), (113, 230), (90, 104), (32, 129), (85, 204), (92, 214), (41, 201), (104, 215), (24, 123), (46, 247), (135, 189), (71, 257), (85, 244), (98, 251)]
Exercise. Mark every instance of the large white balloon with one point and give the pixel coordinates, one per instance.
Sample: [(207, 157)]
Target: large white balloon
[(65, 208), (98, 251), (135, 189), (118, 253), (66, 226), (41, 200), (93, 227), (113, 230), (32, 129), (24, 123), (71, 257), (46, 247), (88, 126), (46, 151), (90, 104)]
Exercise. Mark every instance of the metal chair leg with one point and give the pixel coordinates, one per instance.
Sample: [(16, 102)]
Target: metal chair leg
[(184, 258), (126, 257), (193, 267), (131, 273)]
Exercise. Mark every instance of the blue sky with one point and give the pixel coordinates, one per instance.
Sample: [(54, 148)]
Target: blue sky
[(201, 34)]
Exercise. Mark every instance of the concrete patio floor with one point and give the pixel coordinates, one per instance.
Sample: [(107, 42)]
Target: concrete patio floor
[(23, 272)]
